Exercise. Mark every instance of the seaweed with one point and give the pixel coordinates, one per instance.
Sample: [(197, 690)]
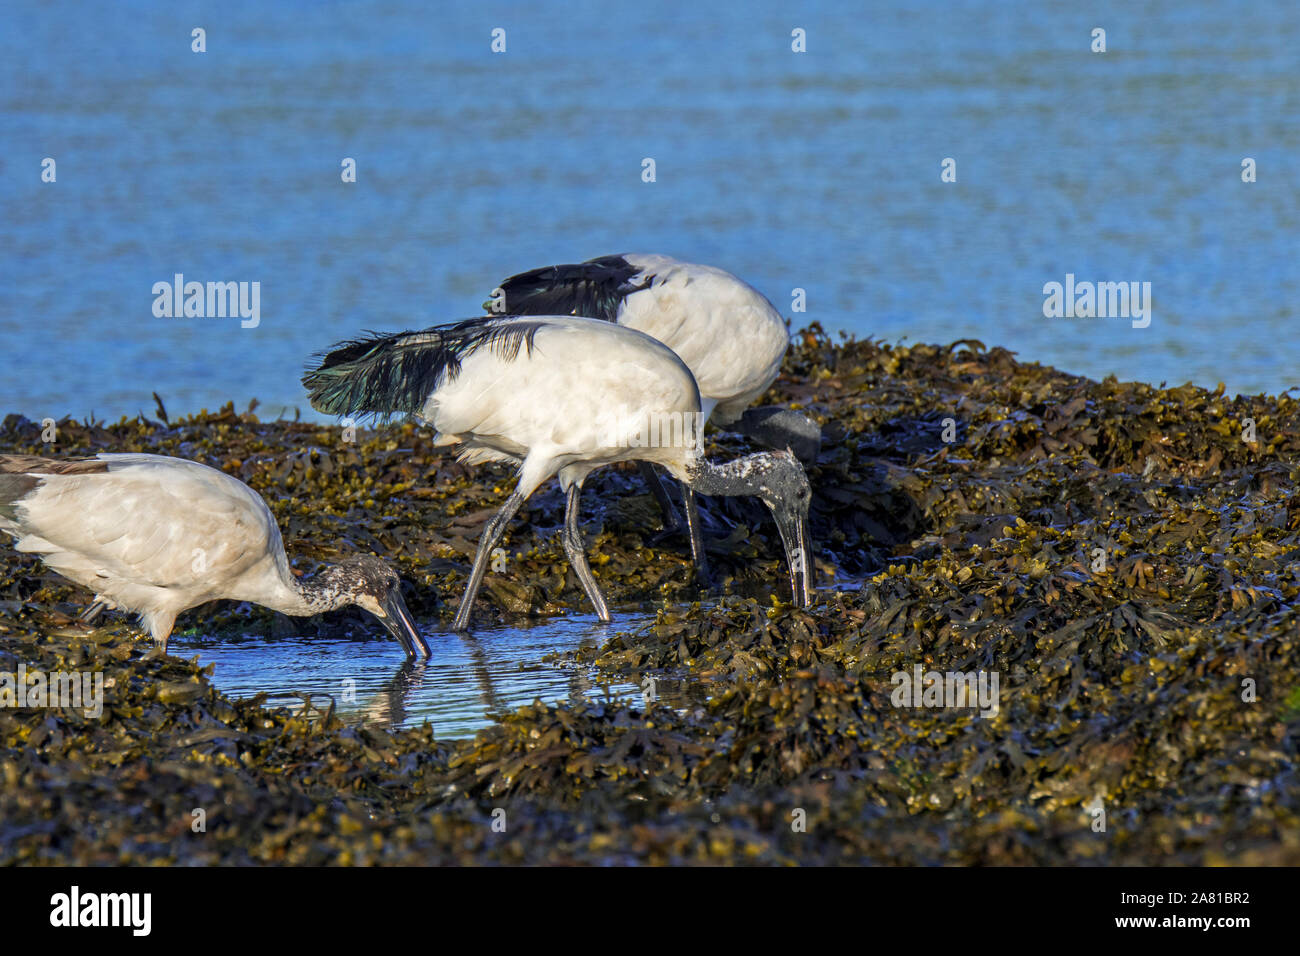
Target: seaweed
[(1120, 555)]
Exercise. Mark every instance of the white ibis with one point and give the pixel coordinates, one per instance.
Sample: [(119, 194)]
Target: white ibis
[(728, 334), (557, 395), (156, 536)]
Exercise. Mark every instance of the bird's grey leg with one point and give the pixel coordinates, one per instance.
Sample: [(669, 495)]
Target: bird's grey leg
[(697, 538), (89, 615), (577, 558), (491, 535), (672, 523)]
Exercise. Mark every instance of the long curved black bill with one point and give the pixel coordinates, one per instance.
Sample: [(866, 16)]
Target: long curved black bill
[(397, 619), (794, 535)]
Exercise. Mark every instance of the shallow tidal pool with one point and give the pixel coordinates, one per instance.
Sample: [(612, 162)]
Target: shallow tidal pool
[(469, 677)]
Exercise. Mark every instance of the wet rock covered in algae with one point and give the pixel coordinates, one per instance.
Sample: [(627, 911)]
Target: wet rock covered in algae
[(1118, 554)]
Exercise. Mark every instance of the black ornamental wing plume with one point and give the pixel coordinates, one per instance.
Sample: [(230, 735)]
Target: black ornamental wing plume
[(384, 375), (594, 289)]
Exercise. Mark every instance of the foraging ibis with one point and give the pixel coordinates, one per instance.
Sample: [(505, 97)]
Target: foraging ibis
[(558, 395), (729, 335), (156, 536)]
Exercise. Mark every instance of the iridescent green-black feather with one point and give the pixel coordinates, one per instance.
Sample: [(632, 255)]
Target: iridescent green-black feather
[(386, 375)]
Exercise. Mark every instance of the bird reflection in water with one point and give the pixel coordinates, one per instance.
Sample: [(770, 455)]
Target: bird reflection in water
[(390, 706)]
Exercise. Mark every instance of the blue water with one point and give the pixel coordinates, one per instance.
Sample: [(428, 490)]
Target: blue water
[(468, 678), (817, 170)]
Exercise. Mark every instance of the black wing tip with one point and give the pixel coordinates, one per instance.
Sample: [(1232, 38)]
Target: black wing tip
[(594, 289), (329, 390), (316, 377), (334, 355), (369, 377)]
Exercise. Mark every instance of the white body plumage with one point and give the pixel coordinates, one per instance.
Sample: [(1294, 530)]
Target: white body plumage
[(728, 334), (156, 536), (622, 387)]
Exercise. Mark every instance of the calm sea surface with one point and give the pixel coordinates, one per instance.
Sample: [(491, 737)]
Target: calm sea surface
[(816, 170)]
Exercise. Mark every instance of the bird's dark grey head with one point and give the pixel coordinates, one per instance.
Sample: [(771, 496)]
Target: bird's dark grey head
[(782, 484), (363, 575), (372, 585)]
